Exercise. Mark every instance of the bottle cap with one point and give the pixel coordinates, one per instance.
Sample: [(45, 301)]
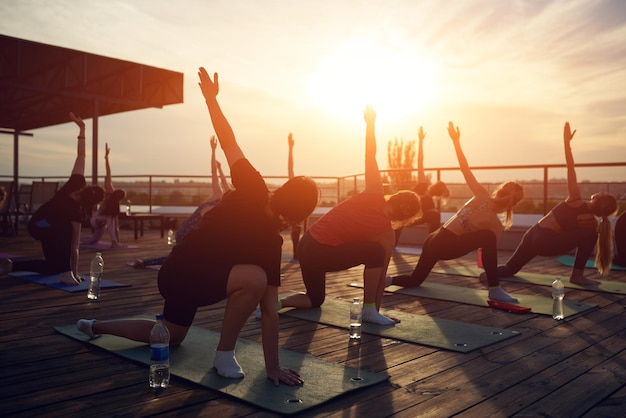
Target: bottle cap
[(159, 316)]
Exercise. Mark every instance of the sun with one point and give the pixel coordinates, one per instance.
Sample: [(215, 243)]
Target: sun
[(394, 79)]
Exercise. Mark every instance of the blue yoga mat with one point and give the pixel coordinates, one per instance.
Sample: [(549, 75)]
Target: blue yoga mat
[(55, 281)]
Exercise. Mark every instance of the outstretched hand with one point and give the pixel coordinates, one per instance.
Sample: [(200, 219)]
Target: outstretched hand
[(106, 151), (213, 142), (421, 134), (77, 120), (369, 114), (209, 87), (567, 132), (455, 134), (290, 140)]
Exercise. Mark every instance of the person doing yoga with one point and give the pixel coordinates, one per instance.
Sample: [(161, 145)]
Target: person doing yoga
[(357, 231), (570, 225), (233, 254), (475, 225)]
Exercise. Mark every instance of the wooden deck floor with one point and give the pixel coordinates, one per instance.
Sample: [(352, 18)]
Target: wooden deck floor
[(572, 368)]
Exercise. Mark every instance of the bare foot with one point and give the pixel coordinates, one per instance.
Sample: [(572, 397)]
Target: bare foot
[(583, 280)]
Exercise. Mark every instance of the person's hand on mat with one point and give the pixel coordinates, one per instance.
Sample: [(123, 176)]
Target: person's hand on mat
[(70, 279), (287, 376)]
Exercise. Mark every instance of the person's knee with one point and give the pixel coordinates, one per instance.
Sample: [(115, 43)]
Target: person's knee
[(247, 278), (177, 333), (176, 340)]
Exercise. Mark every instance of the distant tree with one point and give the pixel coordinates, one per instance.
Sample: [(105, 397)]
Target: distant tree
[(400, 157)]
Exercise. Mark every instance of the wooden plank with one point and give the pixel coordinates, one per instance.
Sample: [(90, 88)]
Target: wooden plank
[(577, 362)]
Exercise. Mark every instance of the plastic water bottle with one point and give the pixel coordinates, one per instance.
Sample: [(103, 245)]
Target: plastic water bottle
[(159, 376), (355, 319), (558, 293), (128, 208), (170, 237), (95, 277)]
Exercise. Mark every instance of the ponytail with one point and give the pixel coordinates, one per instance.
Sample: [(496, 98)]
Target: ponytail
[(604, 246)]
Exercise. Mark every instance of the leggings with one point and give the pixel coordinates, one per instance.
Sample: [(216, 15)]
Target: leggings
[(446, 245), (56, 241), (547, 242), (317, 259)]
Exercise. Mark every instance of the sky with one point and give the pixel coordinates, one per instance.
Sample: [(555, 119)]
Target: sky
[(507, 73)]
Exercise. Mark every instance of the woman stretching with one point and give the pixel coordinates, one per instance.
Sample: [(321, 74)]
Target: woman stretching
[(232, 254), (107, 217), (57, 223), (357, 231), (570, 225), (475, 225), (191, 222)]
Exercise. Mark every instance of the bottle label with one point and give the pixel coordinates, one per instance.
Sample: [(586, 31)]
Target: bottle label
[(159, 353)]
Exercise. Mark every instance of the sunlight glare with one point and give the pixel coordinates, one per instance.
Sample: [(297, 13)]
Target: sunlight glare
[(396, 81)]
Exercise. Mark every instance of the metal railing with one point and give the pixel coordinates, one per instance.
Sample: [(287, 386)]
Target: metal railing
[(541, 192)]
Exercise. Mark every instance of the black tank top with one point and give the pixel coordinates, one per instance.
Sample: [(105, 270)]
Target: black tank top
[(567, 215)]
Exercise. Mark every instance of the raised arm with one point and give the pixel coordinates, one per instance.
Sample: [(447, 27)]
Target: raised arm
[(222, 128), (223, 182), (421, 176), (108, 180), (572, 182), (290, 156), (79, 163), (373, 179), (474, 185), (215, 183)]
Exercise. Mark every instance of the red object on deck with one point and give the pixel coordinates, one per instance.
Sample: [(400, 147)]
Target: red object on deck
[(509, 307)]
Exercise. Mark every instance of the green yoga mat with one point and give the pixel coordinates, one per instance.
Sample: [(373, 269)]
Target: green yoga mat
[(568, 260), (538, 304), (421, 329), (605, 286), (193, 361)]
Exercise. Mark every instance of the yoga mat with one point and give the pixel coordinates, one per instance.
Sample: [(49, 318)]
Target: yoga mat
[(55, 281), (408, 250), (193, 361), (421, 329), (568, 260), (107, 246), (538, 304), (605, 286)]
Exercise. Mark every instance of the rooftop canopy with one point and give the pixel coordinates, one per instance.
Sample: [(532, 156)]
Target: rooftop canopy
[(40, 84)]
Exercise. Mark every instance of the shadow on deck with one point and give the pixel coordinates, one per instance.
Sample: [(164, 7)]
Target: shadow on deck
[(571, 368)]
